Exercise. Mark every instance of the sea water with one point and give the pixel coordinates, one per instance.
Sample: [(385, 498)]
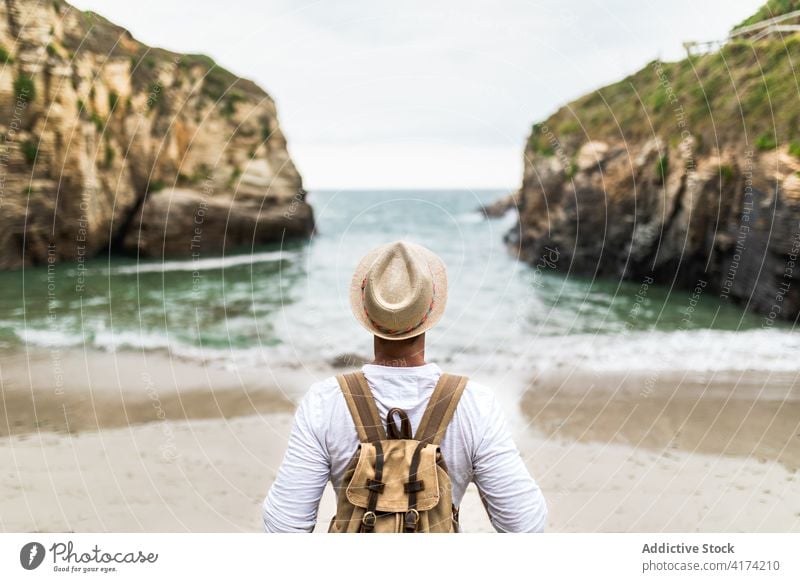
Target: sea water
[(288, 305)]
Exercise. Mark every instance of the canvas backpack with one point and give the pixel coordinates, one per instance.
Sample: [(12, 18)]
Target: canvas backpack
[(397, 483)]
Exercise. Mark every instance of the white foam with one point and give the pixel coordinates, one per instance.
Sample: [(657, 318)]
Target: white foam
[(471, 217), (113, 340), (697, 351), (200, 264), (49, 338)]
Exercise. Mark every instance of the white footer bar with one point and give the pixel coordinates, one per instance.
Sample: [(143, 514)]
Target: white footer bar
[(261, 557)]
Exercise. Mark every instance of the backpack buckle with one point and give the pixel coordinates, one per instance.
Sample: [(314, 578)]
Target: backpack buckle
[(369, 519), (411, 520)]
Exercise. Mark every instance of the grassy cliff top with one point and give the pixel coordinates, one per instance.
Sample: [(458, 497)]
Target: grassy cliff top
[(747, 93), (769, 10), (91, 32)]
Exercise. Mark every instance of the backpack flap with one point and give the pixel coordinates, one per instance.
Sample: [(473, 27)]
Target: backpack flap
[(397, 460)]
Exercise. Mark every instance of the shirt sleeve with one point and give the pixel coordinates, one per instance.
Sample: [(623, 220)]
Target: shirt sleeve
[(293, 500), (511, 496)]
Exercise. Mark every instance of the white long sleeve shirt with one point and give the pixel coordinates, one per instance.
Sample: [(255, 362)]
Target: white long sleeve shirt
[(477, 446)]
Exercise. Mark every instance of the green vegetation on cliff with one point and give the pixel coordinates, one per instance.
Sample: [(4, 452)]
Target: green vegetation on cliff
[(101, 36), (769, 10), (747, 92)]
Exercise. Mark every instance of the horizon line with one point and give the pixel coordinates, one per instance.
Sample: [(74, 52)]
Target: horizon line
[(406, 188)]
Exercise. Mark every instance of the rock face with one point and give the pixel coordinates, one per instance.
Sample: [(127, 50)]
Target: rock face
[(653, 178), (733, 221), (110, 144), (500, 206)]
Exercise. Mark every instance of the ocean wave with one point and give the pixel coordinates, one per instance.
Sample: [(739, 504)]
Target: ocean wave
[(693, 351), (474, 217), (110, 341), (49, 338), (206, 264)]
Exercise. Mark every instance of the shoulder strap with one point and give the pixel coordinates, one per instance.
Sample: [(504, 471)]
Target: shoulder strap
[(441, 408), (362, 407)]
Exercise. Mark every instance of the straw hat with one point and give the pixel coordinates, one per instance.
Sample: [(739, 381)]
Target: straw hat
[(399, 290)]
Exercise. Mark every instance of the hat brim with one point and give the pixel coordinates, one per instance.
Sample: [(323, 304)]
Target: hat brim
[(438, 272)]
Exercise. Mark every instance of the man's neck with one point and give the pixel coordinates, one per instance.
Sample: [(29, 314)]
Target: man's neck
[(403, 353), (399, 362)]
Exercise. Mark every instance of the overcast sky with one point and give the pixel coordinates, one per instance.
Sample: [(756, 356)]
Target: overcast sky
[(422, 93)]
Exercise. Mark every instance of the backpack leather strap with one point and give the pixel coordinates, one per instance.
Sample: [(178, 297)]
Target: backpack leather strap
[(441, 408), (411, 516), (375, 487), (362, 407)]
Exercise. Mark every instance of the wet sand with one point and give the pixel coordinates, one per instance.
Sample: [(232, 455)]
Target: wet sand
[(734, 414), (88, 391), (99, 452)]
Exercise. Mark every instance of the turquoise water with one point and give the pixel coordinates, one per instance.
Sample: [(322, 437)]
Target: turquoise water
[(288, 304)]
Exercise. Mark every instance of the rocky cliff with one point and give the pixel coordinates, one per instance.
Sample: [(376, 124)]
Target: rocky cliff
[(111, 144), (687, 173)]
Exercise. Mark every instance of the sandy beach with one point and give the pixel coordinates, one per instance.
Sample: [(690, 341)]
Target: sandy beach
[(93, 441)]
